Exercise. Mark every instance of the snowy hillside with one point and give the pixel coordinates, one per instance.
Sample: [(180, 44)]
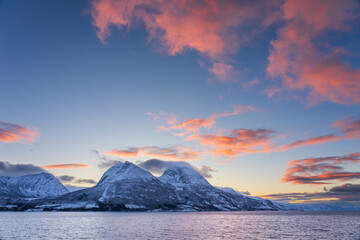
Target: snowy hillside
[(40, 185)]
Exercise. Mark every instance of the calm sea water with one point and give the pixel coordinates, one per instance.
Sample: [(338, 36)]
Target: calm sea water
[(204, 225)]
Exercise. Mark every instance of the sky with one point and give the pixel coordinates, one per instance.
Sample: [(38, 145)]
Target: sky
[(262, 96)]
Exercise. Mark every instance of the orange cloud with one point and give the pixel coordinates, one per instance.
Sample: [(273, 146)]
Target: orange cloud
[(130, 152), (213, 28), (303, 62), (191, 125), (194, 124), (350, 128), (66, 166), (10, 132), (238, 142), (172, 153), (321, 170)]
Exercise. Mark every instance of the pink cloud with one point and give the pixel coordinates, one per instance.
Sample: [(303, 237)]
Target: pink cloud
[(304, 63), (10, 132), (250, 84), (224, 72), (191, 125), (214, 28), (130, 152), (238, 142), (321, 170)]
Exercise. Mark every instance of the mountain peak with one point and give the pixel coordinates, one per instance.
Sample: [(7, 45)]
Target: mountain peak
[(121, 171)]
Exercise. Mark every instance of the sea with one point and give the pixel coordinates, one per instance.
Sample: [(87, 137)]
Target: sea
[(180, 225)]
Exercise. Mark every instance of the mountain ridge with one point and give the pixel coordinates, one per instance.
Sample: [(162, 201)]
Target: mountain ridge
[(128, 187)]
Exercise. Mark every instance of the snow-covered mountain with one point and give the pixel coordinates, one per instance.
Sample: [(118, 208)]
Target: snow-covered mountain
[(197, 193), (127, 187), (41, 185)]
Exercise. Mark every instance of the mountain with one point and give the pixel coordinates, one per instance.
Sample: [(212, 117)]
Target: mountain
[(40, 185), (198, 194), (123, 187), (127, 187)]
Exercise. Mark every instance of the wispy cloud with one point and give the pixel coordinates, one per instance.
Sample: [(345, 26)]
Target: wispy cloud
[(67, 179), (305, 63), (206, 171), (85, 181), (250, 84), (10, 132), (322, 170), (157, 166), (224, 72), (104, 161), (170, 118), (66, 166), (172, 153), (350, 129)]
